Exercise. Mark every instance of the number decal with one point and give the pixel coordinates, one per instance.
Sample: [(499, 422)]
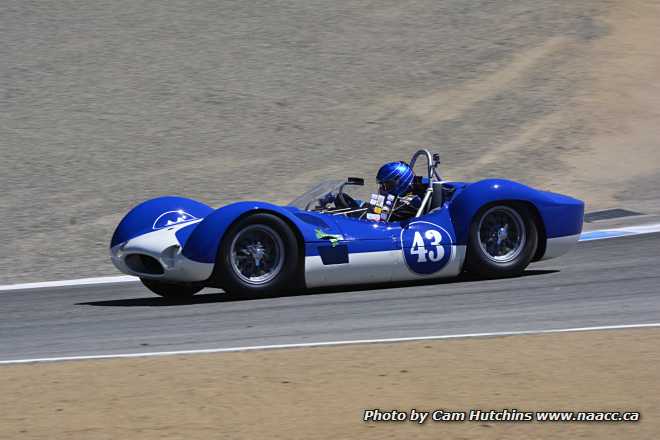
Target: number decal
[(435, 253), (427, 247), (418, 248)]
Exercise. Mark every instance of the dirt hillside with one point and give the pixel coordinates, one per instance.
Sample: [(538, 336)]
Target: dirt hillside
[(105, 104)]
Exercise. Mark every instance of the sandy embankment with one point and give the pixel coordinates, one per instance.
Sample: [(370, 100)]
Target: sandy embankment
[(320, 393), (561, 95), (622, 162)]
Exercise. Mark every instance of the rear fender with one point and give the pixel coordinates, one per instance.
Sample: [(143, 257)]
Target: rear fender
[(560, 215)]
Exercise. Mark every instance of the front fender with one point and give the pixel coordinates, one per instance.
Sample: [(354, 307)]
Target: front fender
[(144, 217), (561, 215), (203, 243)]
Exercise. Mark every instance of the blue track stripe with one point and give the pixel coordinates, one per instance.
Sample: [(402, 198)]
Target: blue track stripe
[(600, 235)]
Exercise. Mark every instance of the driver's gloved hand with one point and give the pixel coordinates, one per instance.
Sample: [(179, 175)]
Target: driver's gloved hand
[(327, 199), (416, 202)]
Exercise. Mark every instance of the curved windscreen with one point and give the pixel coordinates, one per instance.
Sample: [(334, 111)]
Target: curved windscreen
[(309, 198)]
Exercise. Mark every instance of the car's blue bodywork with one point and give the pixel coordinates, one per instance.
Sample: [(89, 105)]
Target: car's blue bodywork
[(339, 249)]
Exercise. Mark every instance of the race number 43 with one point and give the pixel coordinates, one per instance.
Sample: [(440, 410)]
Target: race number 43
[(435, 251), (426, 247)]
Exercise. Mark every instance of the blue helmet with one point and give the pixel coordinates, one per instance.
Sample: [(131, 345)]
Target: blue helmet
[(395, 178)]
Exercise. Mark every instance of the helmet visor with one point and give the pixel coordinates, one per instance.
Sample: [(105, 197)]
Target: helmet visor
[(387, 186)]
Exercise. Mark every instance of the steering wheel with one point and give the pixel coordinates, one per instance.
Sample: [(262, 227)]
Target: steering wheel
[(344, 201)]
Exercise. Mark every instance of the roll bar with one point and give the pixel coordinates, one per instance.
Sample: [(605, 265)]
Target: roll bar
[(432, 162)]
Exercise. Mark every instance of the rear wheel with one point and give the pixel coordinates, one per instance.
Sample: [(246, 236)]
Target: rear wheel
[(502, 241), (172, 291), (258, 256)]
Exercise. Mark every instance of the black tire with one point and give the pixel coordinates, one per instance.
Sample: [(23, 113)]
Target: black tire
[(172, 291), (480, 262), (284, 276)]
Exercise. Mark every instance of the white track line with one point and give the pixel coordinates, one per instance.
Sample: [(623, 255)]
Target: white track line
[(325, 344), (77, 282), (600, 234)]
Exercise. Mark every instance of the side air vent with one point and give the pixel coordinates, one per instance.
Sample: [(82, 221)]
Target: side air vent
[(312, 220), (144, 264)]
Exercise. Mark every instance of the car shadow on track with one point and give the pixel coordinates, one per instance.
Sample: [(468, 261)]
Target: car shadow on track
[(219, 297)]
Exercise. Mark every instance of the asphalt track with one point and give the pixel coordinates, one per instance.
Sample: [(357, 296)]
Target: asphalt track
[(608, 282)]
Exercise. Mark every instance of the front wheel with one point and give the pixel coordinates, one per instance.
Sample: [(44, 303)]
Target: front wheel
[(258, 256), (502, 241), (172, 291)]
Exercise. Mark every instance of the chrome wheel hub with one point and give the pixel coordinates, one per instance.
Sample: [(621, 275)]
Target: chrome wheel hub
[(502, 234), (256, 254)]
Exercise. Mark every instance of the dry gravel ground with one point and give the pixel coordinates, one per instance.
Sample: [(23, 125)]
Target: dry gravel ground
[(320, 393), (105, 104)]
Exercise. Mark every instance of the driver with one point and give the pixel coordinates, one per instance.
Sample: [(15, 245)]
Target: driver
[(398, 180)]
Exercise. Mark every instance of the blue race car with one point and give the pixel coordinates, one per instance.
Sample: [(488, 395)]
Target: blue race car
[(431, 229)]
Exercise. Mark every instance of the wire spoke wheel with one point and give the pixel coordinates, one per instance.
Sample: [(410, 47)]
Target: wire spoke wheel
[(257, 254), (502, 235)]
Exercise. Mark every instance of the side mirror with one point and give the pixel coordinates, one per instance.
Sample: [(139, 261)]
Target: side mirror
[(359, 181)]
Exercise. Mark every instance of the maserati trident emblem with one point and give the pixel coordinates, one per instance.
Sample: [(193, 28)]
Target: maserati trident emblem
[(171, 218)]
